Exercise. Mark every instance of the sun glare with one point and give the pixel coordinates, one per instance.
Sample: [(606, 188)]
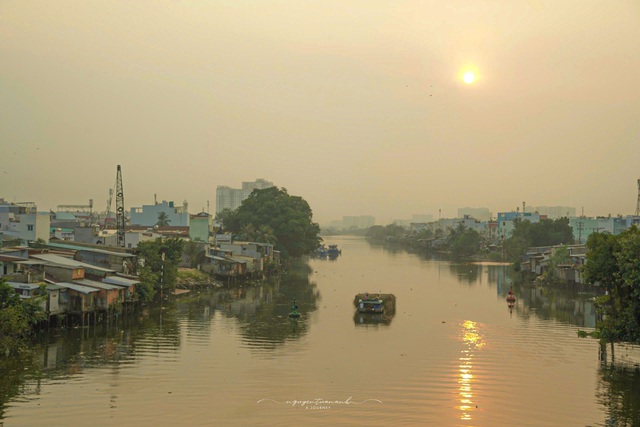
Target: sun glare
[(468, 77)]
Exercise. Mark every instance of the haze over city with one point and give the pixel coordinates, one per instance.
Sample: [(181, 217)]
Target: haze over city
[(362, 107)]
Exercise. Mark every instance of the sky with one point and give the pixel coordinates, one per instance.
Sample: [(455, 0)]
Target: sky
[(357, 106)]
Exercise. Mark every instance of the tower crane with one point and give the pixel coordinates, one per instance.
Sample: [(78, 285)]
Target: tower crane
[(120, 217)]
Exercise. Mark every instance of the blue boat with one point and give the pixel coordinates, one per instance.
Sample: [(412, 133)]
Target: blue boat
[(333, 251)]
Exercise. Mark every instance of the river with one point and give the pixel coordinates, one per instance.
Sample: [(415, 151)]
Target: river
[(453, 354)]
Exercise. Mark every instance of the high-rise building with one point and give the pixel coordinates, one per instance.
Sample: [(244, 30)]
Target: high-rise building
[(361, 221), (231, 198)]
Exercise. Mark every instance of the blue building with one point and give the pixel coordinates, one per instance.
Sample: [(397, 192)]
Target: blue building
[(147, 215)]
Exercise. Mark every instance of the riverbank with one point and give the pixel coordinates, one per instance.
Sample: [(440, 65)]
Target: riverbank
[(191, 278)]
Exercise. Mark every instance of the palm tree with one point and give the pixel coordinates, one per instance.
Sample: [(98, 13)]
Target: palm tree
[(264, 234), (163, 219), (247, 233)]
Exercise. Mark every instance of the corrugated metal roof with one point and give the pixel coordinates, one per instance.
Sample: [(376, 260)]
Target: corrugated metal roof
[(9, 258), (94, 284), (68, 262), (120, 281), (17, 285), (86, 249), (32, 262), (78, 288)]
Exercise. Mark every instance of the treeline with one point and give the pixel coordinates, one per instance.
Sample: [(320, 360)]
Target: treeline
[(465, 242)]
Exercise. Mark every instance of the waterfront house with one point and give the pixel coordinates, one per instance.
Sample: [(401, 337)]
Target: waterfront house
[(259, 253), (108, 295), (79, 299), (54, 306), (128, 284), (221, 263)]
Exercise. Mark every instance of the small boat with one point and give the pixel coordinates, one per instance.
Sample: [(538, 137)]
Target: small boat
[(370, 304), (333, 251), (294, 310), (511, 298)]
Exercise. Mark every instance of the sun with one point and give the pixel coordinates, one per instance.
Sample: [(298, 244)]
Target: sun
[(468, 77)]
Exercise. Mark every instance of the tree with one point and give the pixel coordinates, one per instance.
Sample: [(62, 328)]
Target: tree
[(546, 232), (613, 262), (265, 234), (464, 242), (38, 243), (163, 219), (379, 232), (247, 233), (17, 318), (289, 217), (558, 256), (157, 274), (223, 217)]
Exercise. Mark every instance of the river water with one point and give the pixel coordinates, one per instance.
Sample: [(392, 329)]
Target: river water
[(452, 355)]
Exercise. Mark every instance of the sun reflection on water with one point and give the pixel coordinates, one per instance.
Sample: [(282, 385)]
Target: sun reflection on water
[(472, 340)]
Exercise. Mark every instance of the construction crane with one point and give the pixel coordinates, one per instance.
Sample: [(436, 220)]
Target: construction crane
[(120, 217), (638, 204)]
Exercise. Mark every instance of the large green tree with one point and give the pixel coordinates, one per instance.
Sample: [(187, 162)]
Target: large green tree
[(546, 232), (289, 218), (156, 274), (464, 242), (613, 262)]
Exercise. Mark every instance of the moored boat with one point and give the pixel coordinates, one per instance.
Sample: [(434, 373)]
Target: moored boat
[(370, 304), (333, 251)]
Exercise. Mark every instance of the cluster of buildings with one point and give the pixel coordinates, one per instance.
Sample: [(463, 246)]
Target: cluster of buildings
[(73, 255), (501, 227)]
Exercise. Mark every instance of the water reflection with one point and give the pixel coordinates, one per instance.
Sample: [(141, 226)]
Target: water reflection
[(619, 385), (62, 354), (261, 312), (473, 341), (467, 273)]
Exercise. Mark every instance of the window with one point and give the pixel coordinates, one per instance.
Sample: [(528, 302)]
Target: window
[(30, 227)]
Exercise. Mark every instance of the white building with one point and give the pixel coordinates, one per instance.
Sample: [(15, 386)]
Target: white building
[(231, 198), (23, 221)]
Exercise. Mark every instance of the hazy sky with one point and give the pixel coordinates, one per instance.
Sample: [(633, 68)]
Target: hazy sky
[(357, 106)]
